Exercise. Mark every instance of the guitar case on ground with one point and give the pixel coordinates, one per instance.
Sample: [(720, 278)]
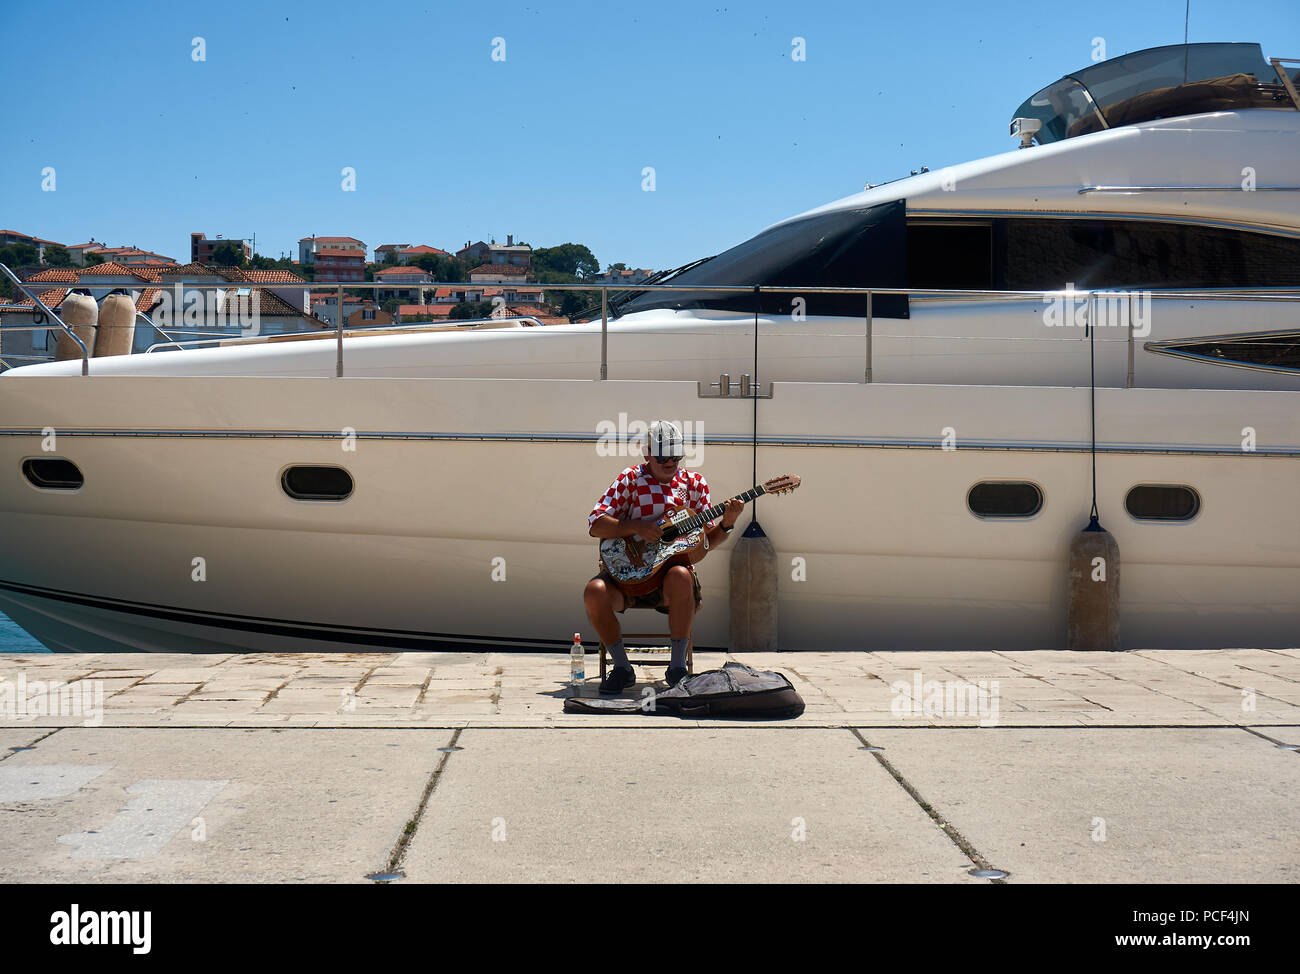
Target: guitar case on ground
[(736, 690)]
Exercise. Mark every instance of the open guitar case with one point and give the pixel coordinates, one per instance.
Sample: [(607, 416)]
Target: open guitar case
[(735, 691)]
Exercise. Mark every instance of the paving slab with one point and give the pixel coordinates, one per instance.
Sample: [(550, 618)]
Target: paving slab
[(676, 804), (211, 805), (1106, 805), (11, 737)]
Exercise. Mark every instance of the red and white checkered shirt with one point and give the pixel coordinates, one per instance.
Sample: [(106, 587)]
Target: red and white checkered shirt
[(636, 494)]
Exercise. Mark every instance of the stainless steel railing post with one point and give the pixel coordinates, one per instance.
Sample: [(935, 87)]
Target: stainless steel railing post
[(868, 375), (1129, 384), (338, 365), (604, 332), (85, 352)]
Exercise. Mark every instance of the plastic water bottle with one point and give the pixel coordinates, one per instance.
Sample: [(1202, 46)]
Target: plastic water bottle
[(577, 662)]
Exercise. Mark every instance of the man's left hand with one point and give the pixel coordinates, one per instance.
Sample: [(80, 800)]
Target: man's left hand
[(731, 511)]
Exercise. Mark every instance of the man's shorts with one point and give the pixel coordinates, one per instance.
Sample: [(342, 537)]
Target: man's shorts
[(650, 600)]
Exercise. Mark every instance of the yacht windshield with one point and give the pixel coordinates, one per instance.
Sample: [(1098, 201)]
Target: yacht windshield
[(1161, 82), (862, 247)]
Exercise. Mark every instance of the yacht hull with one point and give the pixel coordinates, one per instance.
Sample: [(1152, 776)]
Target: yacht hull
[(467, 523)]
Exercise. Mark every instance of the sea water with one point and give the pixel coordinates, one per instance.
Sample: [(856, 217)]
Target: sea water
[(15, 640)]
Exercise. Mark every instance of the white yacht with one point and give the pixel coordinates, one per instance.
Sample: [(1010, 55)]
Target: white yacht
[(1135, 262)]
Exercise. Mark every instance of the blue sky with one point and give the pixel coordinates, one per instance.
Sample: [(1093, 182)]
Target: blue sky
[(448, 145)]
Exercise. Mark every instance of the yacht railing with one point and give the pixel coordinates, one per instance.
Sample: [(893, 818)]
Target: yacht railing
[(868, 295), (85, 353)]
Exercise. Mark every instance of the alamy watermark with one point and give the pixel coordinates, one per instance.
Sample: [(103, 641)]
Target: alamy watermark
[(946, 698), (627, 438), (1110, 309), (20, 700), (217, 308)]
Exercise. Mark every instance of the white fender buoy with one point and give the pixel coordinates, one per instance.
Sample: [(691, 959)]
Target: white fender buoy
[(116, 326), (1092, 616), (80, 313), (753, 593)]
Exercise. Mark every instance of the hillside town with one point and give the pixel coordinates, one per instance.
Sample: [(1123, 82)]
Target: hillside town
[(210, 291)]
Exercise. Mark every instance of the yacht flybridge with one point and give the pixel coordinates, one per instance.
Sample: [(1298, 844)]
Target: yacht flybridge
[(928, 355)]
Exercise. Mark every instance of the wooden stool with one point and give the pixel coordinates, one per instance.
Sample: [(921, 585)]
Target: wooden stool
[(690, 651)]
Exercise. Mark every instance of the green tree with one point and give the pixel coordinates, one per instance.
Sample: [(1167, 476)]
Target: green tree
[(56, 255), (258, 262), (15, 256), (229, 254), (91, 258), (568, 258), (451, 269), (390, 257), (470, 309)]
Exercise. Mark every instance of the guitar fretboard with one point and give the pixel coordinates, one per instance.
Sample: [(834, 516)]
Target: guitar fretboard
[(704, 517)]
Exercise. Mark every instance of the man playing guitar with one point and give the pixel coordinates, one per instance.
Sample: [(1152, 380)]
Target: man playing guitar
[(637, 498)]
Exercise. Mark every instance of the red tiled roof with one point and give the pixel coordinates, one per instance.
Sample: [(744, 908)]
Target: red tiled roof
[(52, 297), (268, 304), (425, 310), (147, 299), (112, 267), (423, 249), (144, 253), (402, 271), (66, 275), (272, 276), (329, 239), (90, 243), (196, 269), (55, 242), (544, 315)]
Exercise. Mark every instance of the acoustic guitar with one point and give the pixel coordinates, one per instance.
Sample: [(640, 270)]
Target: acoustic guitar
[(638, 566)]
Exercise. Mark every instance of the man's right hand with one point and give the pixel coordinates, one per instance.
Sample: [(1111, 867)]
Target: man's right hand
[(649, 530)]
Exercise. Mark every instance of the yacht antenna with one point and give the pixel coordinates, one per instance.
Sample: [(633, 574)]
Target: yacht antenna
[(1187, 16)]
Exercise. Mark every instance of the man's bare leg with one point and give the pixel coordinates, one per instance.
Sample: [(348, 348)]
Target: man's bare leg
[(679, 593)]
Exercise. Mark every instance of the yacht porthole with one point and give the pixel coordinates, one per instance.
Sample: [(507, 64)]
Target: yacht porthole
[(52, 473), (316, 483), (1004, 499), (1162, 502)]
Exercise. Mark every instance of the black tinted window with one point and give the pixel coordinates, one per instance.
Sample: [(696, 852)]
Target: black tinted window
[(1042, 255), (1005, 499), (317, 483), (864, 247), (1161, 502), (1277, 351), (53, 473), (957, 256)]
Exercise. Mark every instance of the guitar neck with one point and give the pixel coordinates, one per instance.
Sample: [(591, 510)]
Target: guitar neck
[(704, 517)]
